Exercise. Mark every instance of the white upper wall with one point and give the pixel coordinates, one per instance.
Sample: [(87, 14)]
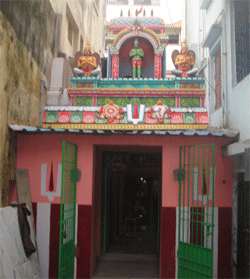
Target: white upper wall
[(239, 108), (169, 10), (192, 25), (235, 110), (213, 12)]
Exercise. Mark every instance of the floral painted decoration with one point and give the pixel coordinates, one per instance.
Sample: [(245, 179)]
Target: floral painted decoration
[(111, 112)]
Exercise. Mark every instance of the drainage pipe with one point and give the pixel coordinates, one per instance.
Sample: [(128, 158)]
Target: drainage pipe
[(43, 85)]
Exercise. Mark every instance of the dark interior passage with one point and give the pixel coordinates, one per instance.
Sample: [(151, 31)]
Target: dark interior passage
[(131, 202)]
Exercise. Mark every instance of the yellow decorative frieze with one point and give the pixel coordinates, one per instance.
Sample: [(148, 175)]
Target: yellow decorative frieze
[(127, 126)]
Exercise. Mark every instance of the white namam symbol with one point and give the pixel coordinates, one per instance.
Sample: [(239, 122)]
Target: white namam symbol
[(160, 111)]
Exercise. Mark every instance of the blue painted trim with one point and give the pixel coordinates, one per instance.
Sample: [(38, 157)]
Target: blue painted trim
[(164, 59), (109, 64)]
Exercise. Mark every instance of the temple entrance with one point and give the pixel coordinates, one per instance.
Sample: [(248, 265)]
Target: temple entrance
[(130, 207)]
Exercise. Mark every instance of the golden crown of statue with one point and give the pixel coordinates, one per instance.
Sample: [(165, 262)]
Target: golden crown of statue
[(87, 46), (184, 44), (136, 42)]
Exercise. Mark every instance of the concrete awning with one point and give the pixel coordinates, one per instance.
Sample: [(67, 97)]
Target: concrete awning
[(213, 34), (226, 133)]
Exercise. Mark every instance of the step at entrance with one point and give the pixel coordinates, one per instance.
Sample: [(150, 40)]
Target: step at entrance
[(113, 265)]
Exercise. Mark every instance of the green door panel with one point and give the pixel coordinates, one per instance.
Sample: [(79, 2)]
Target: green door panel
[(67, 211), (196, 211)]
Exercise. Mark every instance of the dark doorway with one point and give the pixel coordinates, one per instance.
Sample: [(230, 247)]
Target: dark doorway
[(131, 202), (243, 228)]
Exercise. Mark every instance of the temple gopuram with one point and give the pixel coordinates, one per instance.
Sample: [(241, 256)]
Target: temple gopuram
[(136, 95), (128, 166)]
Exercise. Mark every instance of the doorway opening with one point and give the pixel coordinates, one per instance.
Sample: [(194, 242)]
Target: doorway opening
[(130, 204), (243, 240)]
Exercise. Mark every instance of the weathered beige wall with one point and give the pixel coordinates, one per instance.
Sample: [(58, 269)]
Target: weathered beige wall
[(90, 19), (32, 32), (26, 47)]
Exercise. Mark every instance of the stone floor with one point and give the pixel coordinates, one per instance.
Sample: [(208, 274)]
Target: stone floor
[(115, 265)]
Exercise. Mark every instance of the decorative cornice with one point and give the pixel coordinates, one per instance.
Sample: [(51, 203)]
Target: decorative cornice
[(128, 126), (96, 108), (121, 34), (150, 35), (145, 29), (149, 92), (152, 27)]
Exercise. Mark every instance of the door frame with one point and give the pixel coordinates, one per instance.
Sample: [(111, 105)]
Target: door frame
[(99, 150)]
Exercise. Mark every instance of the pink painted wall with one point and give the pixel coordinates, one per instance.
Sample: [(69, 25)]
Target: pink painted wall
[(34, 150)]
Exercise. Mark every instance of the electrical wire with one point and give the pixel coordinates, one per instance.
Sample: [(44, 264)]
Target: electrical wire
[(215, 94), (175, 29)]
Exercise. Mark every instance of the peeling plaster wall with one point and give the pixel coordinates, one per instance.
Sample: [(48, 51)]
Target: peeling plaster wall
[(26, 47)]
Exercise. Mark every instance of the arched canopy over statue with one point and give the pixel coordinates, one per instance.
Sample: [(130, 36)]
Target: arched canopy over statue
[(137, 55), (184, 61), (87, 63)]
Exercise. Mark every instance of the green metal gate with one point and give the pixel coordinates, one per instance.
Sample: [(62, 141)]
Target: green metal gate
[(68, 209), (196, 211)]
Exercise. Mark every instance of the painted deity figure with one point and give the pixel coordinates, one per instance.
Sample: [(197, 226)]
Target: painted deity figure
[(184, 61), (87, 63), (137, 55)]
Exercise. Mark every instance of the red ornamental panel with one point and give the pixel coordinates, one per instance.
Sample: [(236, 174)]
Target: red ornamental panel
[(149, 119), (44, 116), (176, 118), (115, 65), (88, 117), (64, 116), (201, 118), (158, 65), (115, 121)]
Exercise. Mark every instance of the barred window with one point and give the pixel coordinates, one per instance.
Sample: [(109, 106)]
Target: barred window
[(242, 38)]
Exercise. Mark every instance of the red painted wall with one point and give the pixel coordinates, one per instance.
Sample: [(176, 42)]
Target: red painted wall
[(167, 250)]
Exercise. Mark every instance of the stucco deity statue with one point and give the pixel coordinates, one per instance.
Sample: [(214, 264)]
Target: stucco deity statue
[(137, 55), (184, 61), (87, 63)]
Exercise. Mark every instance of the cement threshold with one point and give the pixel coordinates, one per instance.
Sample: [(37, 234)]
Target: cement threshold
[(115, 265)]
